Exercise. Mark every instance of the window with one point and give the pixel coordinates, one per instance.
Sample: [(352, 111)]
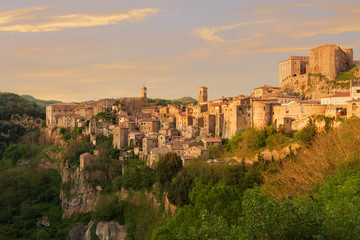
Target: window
[(357, 90)]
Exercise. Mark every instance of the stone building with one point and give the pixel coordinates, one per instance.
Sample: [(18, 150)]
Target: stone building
[(292, 67), (162, 140), (68, 121), (183, 121), (262, 113), (86, 112), (149, 125), (299, 110), (149, 143), (266, 89), (339, 98), (196, 152), (120, 137), (327, 60), (203, 94), (135, 139), (355, 90), (216, 142), (353, 108), (54, 111)]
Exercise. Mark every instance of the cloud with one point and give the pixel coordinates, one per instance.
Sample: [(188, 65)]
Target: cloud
[(30, 51), (209, 33), (53, 74), (143, 66), (66, 49), (292, 49), (19, 14), (58, 23)]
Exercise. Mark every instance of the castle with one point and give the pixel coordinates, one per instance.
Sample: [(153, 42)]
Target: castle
[(324, 63)]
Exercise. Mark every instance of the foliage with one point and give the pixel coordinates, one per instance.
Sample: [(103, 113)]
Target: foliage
[(165, 102), (308, 133), (168, 166), (39, 101), (109, 208), (73, 149), (252, 140), (137, 175), (26, 195), (11, 103)]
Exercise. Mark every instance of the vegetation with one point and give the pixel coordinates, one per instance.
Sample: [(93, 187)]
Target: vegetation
[(39, 101), (165, 102), (11, 103)]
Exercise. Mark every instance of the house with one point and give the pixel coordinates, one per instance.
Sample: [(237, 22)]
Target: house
[(339, 98), (197, 151), (211, 142)]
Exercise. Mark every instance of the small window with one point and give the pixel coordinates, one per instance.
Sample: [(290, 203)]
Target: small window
[(357, 90)]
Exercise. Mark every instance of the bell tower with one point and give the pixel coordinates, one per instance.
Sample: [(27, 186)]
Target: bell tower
[(203, 94), (144, 92)]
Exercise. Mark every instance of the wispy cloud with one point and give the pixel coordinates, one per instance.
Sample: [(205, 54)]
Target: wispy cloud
[(58, 23), (19, 14), (30, 51), (210, 33), (143, 66), (65, 49)]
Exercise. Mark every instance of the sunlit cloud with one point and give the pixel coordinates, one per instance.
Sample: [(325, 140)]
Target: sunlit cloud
[(210, 33), (19, 14), (58, 23), (30, 51), (65, 49)]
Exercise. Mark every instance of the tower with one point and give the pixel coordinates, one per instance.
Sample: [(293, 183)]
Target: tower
[(144, 92), (203, 94)]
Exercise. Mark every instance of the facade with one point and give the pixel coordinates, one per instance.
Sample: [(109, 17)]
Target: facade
[(120, 137), (211, 142), (353, 108), (327, 60), (339, 98), (292, 67), (54, 111), (149, 125), (203, 94), (196, 152)]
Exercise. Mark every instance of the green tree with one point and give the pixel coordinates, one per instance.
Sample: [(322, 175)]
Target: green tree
[(168, 166)]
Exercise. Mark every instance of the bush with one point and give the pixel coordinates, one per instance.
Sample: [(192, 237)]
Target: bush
[(308, 133)]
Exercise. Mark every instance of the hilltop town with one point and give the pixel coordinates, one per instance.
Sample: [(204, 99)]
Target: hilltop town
[(326, 83)]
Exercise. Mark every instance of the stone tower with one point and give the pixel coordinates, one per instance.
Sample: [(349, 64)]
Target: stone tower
[(203, 94), (144, 92)]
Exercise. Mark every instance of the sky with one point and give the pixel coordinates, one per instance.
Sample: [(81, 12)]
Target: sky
[(78, 50)]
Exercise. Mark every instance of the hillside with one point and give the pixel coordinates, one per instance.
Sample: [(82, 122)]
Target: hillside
[(165, 102), (39, 101), (11, 103)]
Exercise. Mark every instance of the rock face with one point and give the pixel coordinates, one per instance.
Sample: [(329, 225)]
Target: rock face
[(77, 195), (110, 231), (104, 231), (77, 232)]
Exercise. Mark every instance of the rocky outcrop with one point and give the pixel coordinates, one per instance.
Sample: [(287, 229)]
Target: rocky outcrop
[(77, 232), (77, 195), (50, 136), (110, 231), (25, 121), (103, 230)]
